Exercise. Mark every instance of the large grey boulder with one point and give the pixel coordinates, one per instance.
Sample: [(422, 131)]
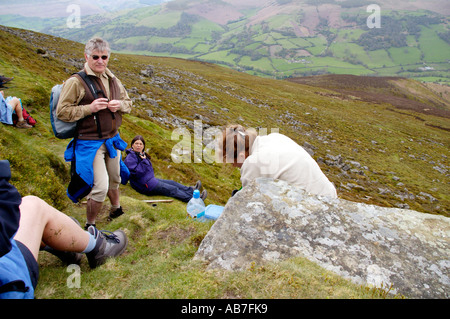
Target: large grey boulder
[(270, 220)]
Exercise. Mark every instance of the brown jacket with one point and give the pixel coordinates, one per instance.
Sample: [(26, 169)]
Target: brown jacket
[(75, 99)]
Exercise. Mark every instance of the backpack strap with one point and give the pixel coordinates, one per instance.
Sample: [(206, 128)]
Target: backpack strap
[(90, 84)]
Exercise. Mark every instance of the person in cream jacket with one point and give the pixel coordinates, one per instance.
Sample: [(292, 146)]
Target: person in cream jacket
[(276, 156)]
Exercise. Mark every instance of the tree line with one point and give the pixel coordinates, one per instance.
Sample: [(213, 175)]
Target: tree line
[(394, 30)]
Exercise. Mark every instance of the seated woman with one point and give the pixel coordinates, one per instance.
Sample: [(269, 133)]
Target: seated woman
[(275, 156), (143, 180), (10, 106)]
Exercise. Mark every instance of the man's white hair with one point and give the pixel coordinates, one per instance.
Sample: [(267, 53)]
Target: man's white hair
[(97, 44)]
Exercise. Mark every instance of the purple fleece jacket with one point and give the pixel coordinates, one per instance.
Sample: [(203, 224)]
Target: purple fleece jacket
[(142, 177)]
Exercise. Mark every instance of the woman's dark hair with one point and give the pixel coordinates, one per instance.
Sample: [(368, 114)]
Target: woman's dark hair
[(140, 138)]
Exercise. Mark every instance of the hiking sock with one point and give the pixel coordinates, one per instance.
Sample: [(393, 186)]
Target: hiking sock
[(91, 244), (87, 225), (114, 207)]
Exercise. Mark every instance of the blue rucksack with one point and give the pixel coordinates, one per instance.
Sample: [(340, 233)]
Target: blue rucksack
[(60, 128)]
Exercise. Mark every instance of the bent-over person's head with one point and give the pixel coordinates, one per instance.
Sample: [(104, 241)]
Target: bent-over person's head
[(236, 143)]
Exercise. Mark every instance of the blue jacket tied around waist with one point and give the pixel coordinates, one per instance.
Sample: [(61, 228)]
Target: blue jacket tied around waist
[(84, 153)]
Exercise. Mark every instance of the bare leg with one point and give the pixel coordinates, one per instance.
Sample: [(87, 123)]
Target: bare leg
[(92, 209), (114, 196), (15, 103), (40, 222)]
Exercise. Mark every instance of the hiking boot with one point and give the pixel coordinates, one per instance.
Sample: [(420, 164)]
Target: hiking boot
[(198, 185), (109, 244), (67, 257), (116, 213), (23, 124), (203, 195)]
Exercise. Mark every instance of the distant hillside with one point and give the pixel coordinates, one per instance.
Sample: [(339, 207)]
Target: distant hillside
[(279, 38), (50, 9), (399, 92)]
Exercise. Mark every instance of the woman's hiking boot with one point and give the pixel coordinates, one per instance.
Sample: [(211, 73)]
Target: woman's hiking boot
[(198, 185), (109, 244), (23, 124)]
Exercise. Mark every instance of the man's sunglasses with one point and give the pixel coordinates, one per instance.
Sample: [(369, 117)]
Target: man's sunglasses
[(96, 57)]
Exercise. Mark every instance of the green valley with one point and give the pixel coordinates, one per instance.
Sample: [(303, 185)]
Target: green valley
[(278, 39)]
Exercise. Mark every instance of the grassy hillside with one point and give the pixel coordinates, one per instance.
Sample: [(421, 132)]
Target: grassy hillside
[(374, 152)]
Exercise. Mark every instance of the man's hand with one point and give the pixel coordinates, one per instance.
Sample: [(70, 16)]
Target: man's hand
[(114, 105), (99, 104)]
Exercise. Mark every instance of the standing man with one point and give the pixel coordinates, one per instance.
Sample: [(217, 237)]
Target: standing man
[(95, 150)]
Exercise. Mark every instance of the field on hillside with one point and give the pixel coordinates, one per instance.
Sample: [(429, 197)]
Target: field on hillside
[(373, 151)]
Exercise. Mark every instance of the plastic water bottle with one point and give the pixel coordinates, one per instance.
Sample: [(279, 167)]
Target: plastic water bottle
[(196, 207)]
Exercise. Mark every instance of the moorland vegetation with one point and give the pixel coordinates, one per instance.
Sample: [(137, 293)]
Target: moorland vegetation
[(372, 150)]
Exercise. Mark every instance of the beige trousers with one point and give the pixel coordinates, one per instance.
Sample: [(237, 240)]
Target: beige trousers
[(106, 174)]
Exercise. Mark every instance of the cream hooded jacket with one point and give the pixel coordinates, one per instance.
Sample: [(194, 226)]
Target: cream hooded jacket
[(279, 157)]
